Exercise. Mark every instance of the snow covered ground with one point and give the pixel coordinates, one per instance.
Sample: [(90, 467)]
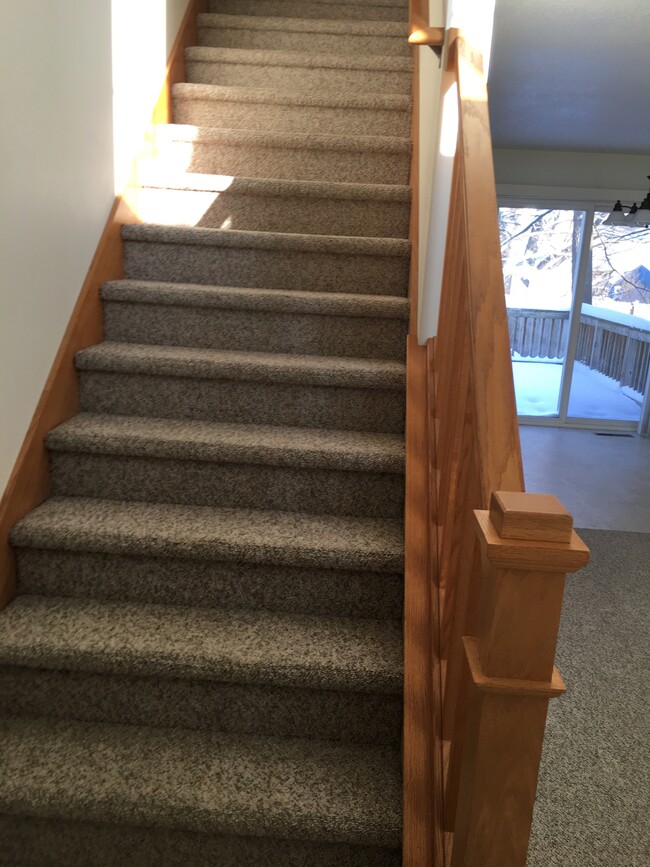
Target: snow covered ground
[(593, 395)]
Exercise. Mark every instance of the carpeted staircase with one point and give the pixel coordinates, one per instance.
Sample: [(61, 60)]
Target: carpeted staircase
[(203, 665)]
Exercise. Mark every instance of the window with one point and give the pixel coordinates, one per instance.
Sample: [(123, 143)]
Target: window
[(578, 300)]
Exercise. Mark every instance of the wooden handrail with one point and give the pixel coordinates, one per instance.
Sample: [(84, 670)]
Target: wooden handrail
[(420, 31), (498, 556)]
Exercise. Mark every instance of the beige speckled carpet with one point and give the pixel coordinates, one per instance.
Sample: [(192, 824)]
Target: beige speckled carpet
[(203, 664), (593, 799)]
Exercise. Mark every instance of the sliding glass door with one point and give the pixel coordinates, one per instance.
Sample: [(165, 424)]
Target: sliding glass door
[(578, 300), (613, 345), (540, 249)]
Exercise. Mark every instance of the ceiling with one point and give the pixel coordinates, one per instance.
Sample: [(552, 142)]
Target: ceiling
[(571, 75)]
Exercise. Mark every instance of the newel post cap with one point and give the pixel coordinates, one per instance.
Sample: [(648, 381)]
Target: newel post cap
[(530, 531)]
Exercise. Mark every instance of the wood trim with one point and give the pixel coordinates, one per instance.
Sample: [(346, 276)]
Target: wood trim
[(29, 482), (414, 183), (187, 36), (436, 618), (525, 554), (420, 795), (509, 686), (421, 34)]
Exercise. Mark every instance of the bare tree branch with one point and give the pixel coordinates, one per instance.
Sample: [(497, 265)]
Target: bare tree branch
[(529, 226), (640, 289)]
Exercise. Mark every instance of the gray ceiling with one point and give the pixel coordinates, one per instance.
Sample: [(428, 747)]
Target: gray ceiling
[(571, 75)]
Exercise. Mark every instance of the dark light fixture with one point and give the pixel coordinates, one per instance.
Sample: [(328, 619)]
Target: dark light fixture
[(637, 215)]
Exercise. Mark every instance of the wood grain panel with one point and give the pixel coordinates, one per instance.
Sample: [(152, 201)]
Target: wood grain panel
[(419, 790), (497, 432)]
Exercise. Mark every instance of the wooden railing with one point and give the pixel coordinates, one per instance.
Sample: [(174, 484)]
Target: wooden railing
[(618, 349), (538, 333), (616, 346), (497, 556)]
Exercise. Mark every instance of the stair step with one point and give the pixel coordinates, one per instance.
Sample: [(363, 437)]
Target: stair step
[(209, 583), (231, 466), (195, 532), (267, 205), (378, 266), (250, 709), (201, 781), (293, 156), (242, 387), (298, 71), (346, 304), (259, 320), (251, 444), (246, 366), (378, 10), (281, 110), (202, 644), (304, 34), (42, 842)]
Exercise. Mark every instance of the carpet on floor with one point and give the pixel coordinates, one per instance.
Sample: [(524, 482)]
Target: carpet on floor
[(593, 798)]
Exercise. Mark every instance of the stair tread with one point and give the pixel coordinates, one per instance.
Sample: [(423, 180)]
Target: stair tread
[(201, 532), (344, 27), (201, 781), (152, 177), (332, 244), (176, 132), (399, 3), (251, 444), (264, 57), (275, 96), (269, 367), (244, 298), (246, 647)]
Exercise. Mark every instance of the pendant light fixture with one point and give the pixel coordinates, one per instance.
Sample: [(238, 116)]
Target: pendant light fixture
[(637, 215)]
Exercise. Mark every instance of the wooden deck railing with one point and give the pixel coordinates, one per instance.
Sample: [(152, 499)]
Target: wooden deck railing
[(619, 349), (538, 333), (498, 556), (618, 346)]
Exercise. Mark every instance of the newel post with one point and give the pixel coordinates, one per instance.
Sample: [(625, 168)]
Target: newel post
[(527, 545)]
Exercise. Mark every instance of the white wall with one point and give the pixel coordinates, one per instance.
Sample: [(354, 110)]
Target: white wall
[(57, 177), (143, 33), (56, 153), (589, 178)]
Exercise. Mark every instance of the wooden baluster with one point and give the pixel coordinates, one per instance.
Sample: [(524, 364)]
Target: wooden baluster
[(528, 545)]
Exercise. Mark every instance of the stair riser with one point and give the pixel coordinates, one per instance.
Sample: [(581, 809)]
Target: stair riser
[(315, 43), (291, 118), (46, 842), (263, 331), (242, 401), (297, 78), (209, 584), (266, 269), (260, 213), (239, 486), (301, 9), (300, 164), (196, 704)]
